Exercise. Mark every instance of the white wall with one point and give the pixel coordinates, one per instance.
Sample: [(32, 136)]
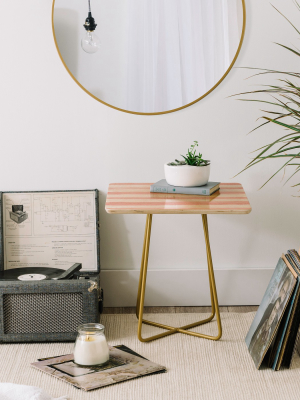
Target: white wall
[(55, 136)]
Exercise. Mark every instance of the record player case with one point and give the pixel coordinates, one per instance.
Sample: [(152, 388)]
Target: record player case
[(17, 214), (49, 310)]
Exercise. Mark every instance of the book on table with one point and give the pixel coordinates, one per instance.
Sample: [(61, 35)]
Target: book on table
[(206, 190), (273, 337)]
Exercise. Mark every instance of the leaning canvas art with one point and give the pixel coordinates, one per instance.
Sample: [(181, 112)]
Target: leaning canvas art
[(270, 312)]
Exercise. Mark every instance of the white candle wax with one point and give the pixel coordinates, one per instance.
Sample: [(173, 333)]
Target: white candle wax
[(91, 350)]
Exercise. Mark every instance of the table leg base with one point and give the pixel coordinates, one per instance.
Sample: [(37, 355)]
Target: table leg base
[(182, 329), (142, 287)]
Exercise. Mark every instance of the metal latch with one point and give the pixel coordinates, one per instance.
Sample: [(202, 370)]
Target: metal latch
[(94, 285)]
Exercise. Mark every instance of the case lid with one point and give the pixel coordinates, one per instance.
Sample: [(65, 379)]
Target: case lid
[(58, 229), (16, 208)]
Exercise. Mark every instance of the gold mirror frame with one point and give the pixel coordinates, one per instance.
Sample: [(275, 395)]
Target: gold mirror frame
[(162, 112)]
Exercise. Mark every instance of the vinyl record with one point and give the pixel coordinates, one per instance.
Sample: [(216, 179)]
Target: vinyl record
[(30, 274)]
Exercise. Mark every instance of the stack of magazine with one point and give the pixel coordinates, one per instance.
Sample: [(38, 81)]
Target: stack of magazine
[(206, 190), (123, 364), (273, 338)]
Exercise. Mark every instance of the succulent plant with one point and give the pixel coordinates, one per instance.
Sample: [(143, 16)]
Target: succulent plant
[(191, 158)]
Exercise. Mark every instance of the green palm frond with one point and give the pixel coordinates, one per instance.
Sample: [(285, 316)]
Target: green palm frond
[(285, 112)]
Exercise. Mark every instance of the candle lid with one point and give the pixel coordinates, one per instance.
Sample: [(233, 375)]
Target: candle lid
[(90, 329)]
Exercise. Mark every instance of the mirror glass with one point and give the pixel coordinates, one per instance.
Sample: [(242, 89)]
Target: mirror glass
[(153, 56)]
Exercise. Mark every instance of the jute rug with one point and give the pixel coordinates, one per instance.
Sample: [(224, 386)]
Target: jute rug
[(197, 368)]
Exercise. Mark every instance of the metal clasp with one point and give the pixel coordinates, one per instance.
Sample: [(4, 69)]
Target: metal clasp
[(94, 285)]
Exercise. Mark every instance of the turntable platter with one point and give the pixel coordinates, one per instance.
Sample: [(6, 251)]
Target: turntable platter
[(30, 274)]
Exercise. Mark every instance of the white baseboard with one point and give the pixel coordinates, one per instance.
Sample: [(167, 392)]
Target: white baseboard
[(185, 287)]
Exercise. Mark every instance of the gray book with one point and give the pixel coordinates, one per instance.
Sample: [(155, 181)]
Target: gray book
[(163, 187)]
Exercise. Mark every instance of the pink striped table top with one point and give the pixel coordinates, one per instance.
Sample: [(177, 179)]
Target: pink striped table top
[(136, 198)]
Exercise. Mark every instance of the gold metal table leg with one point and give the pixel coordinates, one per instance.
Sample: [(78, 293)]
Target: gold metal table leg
[(142, 288)]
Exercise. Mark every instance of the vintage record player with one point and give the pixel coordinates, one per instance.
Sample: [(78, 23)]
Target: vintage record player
[(17, 214), (49, 264)]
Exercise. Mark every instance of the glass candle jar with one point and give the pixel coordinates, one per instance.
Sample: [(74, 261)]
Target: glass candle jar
[(91, 347)]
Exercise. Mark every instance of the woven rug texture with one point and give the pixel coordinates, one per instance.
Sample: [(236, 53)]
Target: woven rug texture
[(197, 368)]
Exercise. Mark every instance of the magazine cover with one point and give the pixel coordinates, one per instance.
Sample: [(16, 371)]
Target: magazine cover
[(270, 312), (122, 365)]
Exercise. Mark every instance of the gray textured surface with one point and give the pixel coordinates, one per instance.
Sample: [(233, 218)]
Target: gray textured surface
[(66, 310), (22, 312)]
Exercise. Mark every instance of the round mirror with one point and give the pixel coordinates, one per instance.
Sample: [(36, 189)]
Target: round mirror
[(148, 56)]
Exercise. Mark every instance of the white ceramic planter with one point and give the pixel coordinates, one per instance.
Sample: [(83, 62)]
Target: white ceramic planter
[(186, 175)]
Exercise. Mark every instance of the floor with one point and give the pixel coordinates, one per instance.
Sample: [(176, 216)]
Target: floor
[(197, 369), (172, 310)]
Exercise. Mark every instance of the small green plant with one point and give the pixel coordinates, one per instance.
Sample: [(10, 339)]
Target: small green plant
[(191, 158)]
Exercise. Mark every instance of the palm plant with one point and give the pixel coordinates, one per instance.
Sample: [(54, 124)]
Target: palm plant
[(286, 98)]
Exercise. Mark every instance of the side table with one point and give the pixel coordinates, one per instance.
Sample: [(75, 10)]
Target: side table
[(136, 198)]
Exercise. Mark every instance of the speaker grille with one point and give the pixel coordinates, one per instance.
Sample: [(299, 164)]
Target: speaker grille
[(42, 312)]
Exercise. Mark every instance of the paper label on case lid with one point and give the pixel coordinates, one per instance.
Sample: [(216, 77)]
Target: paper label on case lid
[(60, 230)]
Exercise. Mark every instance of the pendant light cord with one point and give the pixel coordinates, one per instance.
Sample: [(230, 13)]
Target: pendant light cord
[(89, 1)]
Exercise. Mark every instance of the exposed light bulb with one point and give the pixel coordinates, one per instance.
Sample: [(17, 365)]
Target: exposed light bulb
[(90, 43)]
